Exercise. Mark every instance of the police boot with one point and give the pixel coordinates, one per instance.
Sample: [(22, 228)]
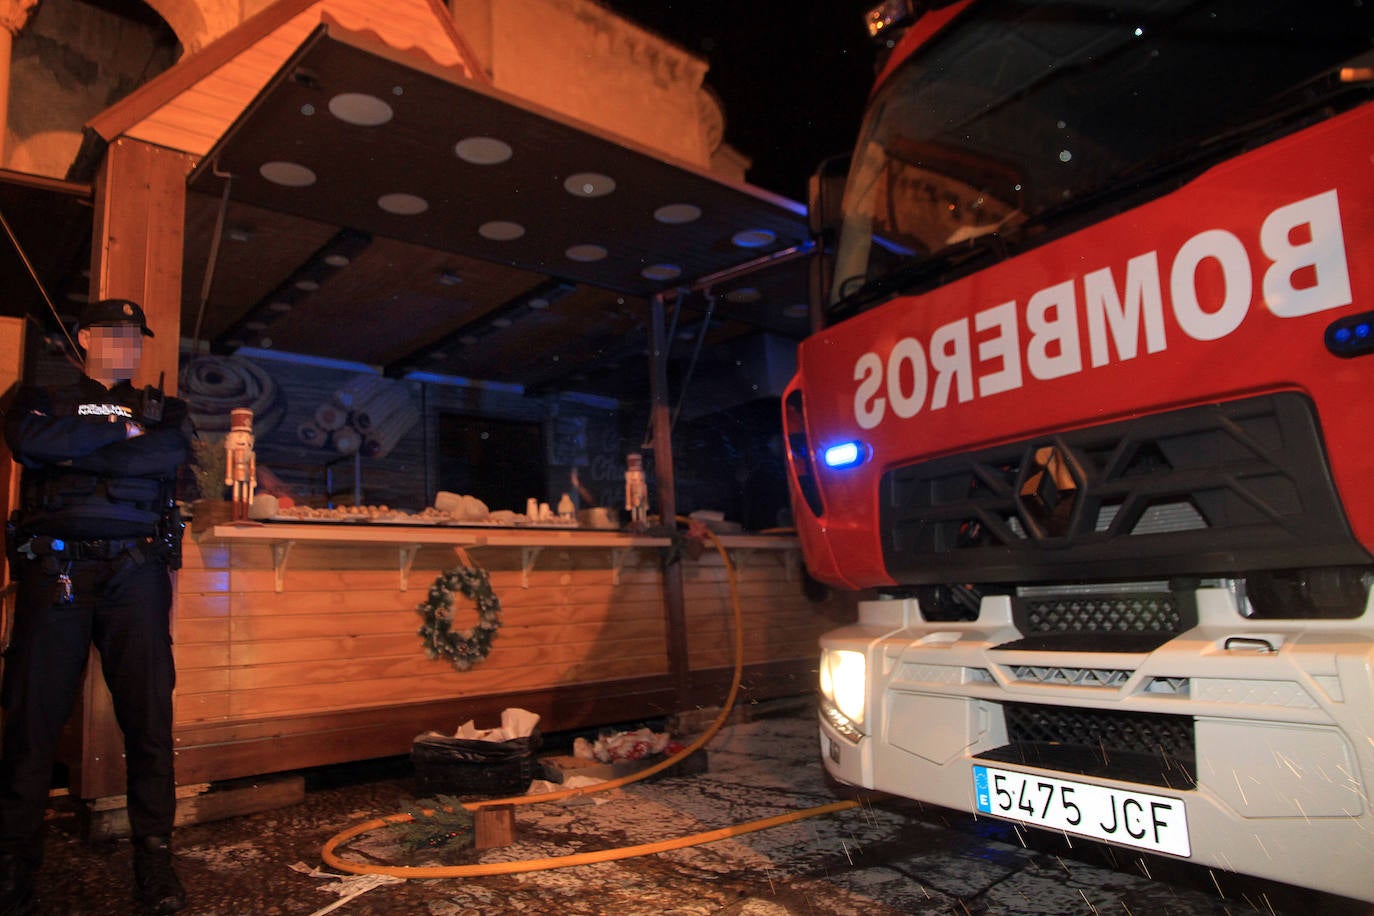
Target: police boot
[(16, 884), (156, 887)]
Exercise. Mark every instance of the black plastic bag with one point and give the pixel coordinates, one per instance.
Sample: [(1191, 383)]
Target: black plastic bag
[(462, 766)]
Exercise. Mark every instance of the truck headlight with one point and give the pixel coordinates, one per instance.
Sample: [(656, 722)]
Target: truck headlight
[(844, 682)]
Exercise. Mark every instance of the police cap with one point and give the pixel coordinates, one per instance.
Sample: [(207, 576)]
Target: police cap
[(114, 311)]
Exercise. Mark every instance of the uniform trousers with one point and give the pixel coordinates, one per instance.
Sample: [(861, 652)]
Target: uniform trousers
[(122, 607)]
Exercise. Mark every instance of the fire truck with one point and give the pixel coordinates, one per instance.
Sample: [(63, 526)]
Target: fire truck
[(1089, 424)]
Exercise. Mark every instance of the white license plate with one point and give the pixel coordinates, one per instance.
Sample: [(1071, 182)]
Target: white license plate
[(1140, 819)]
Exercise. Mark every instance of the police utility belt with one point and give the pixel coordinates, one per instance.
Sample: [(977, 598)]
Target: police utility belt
[(98, 549)]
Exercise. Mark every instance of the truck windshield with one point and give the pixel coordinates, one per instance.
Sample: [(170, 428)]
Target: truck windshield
[(1023, 120)]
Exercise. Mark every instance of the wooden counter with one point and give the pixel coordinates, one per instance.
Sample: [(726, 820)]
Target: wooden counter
[(297, 644)]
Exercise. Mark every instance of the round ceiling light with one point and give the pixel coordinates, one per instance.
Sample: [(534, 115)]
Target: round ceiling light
[(360, 108), (307, 285), (336, 260), (753, 238), (500, 230), (585, 253), (661, 272), (279, 305), (500, 322), (538, 303), (676, 214), (743, 295), (403, 204), (589, 184), (482, 150), (287, 174)]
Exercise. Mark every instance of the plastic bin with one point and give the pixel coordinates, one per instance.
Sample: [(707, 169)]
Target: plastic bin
[(460, 766)]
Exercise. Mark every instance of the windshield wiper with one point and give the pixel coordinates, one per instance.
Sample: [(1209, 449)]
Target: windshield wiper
[(923, 273)]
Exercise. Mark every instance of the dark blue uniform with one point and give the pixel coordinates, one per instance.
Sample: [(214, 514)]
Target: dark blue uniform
[(91, 547)]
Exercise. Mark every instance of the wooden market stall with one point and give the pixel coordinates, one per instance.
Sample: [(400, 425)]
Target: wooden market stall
[(296, 644)]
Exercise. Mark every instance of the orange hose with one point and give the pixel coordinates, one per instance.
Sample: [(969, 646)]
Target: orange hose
[(605, 855)]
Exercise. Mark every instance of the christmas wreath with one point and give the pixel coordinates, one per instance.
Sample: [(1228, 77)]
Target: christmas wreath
[(465, 647)]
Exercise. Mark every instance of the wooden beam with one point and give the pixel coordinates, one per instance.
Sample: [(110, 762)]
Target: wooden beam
[(136, 248), (11, 371), (148, 98), (107, 818), (215, 751), (140, 214)]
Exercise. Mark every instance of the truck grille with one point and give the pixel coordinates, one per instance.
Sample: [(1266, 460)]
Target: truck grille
[(1211, 490), (1147, 748), (1064, 676), (1102, 622)]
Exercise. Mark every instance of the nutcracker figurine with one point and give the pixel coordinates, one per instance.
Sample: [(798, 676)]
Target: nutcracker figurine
[(636, 491), (240, 464)]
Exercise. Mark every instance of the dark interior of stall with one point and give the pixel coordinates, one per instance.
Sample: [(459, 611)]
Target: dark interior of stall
[(502, 447)]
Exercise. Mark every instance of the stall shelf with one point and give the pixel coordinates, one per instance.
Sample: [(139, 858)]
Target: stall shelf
[(408, 539)]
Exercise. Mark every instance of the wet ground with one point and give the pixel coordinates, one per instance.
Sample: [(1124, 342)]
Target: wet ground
[(888, 857)]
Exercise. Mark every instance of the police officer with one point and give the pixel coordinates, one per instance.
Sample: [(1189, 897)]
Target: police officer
[(90, 548)]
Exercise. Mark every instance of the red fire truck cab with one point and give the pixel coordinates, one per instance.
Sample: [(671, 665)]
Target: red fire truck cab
[(1091, 423)]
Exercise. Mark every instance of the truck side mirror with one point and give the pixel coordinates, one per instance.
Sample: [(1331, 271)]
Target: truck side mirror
[(824, 192)]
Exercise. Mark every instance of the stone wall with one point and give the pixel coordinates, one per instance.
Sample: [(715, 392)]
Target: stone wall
[(70, 62)]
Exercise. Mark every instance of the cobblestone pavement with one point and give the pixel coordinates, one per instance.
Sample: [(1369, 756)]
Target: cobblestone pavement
[(885, 857)]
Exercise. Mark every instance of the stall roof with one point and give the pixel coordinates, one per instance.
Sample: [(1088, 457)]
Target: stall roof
[(386, 210)]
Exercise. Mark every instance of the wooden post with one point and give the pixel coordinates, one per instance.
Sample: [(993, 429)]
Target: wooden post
[(673, 602), (11, 371), (493, 826), (136, 247)]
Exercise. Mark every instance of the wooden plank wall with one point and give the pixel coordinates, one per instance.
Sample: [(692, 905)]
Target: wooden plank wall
[(342, 634), (342, 637), (780, 623), (331, 668)]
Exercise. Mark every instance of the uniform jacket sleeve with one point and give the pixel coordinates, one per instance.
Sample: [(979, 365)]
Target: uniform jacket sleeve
[(37, 438), (157, 453)]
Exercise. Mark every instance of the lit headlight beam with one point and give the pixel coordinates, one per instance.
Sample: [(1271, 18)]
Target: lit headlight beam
[(844, 682)]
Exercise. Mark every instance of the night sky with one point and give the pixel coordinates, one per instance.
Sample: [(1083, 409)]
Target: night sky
[(792, 76)]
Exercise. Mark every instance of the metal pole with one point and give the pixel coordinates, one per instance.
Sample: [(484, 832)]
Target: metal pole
[(674, 612)]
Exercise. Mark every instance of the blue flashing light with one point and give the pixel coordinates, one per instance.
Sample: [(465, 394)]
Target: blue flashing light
[(59, 545), (1351, 336), (844, 455)]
